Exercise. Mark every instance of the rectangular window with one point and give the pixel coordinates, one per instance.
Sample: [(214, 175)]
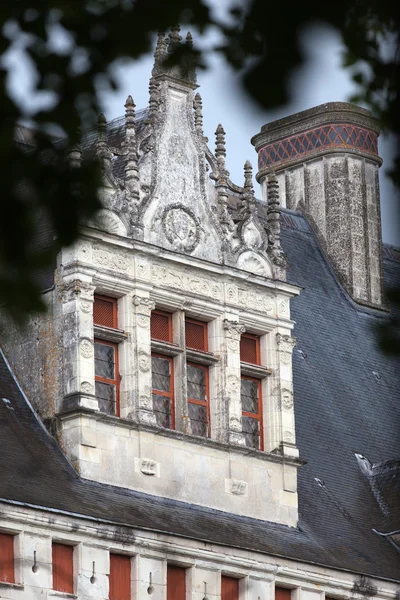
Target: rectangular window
[(229, 588), (63, 568), (161, 326), (250, 349), (196, 335), (120, 577), (282, 593), (7, 558), (176, 583), (106, 376), (163, 390), (252, 412), (198, 405), (105, 311)]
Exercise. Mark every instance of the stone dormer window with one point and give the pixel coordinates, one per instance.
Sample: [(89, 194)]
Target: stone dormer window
[(106, 363)]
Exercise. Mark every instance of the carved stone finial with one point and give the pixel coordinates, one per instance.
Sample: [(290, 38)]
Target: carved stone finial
[(198, 113), (154, 98), (103, 152), (220, 150), (160, 54), (248, 177), (274, 221), (189, 39), (130, 113), (248, 199), (174, 38), (75, 156)]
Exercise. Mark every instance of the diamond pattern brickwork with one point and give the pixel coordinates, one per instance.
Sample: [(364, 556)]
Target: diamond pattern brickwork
[(320, 138)]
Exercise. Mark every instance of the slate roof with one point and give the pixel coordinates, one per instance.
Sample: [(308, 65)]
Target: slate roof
[(346, 402)]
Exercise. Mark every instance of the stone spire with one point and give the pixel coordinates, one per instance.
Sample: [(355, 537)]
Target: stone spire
[(189, 40), (249, 202), (198, 113), (75, 156), (274, 220), (174, 38), (103, 152), (131, 164), (160, 54), (154, 99), (220, 151)]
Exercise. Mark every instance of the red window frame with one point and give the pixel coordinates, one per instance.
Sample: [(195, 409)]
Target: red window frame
[(7, 573), (251, 336), (205, 402), (169, 316), (114, 303), (169, 394), (119, 577), (63, 567), (258, 416), (116, 381), (205, 334)]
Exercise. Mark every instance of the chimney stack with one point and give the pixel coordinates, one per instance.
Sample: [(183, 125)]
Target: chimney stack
[(326, 161)]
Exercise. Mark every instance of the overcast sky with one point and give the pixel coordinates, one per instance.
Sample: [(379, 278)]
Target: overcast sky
[(320, 80)]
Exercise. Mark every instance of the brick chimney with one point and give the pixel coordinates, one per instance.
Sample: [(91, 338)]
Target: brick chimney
[(326, 161)]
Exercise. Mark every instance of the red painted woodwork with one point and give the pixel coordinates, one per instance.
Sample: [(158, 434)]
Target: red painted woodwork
[(161, 326), (120, 577), (63, 568), (7, 558), (105, 311), (282, 593), (250, 348), (229, 588), (196, 335), (176, 583)]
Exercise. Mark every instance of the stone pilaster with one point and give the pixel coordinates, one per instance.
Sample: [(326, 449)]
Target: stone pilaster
[(77, 297), (233, 330), (182, 420), (142, 307), (127, 364)]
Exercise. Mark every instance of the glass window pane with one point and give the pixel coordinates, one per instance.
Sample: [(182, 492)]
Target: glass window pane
[(104, 360), (196, 382), (250, 428), (198, 419), (162, 410), (161, 371), (249, 395), (105, 394)]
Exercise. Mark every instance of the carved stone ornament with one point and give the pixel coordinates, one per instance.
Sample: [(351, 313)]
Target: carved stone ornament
[(77, 289), (238, 487), (286, 343), (86, 387), (235, 424), (288, 437), (287, 399), (181, 227), (86, 348), (144, 361), (148, 467), (234, 328), (144, 305)]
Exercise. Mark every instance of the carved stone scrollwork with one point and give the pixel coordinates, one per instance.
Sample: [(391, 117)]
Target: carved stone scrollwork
[(77, 289), (181, 227), (143, 305), (234, 328), (286, 343)]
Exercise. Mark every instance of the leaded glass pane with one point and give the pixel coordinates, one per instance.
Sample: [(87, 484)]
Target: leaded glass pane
[(196, 383), (250, 428), (105, 394), (198, 419), (162, 410), (249, 395), (161, 373), (104, 360)]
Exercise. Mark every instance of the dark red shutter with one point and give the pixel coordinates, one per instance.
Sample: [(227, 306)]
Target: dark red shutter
[(176, 583), (282, 593), (7, 557), (249, 349), (161, 326), (105, 311), (229, 588), (63, 568), (196, 335), (120, 577)]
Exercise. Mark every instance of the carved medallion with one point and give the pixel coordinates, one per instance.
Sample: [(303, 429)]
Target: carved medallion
[(181, 228)]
